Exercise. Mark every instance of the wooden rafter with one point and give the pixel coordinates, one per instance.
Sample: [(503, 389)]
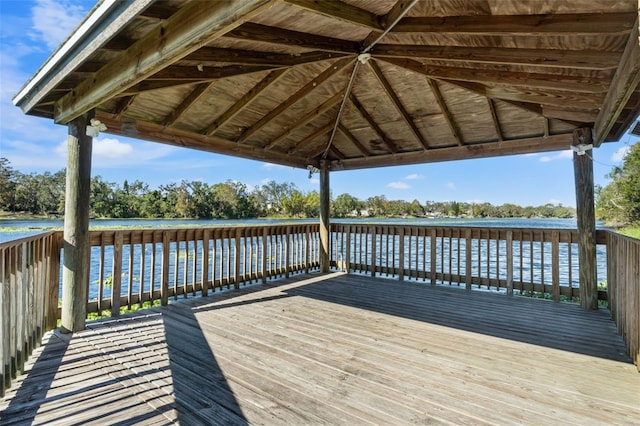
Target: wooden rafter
[(184, 32), (346, 133), (494, 118), (123, 104), (566, 83), (187, 103), (435, 89), (552, 58), (373, 125), (623, 85), (266, 34), (397, 103), (66, 59), (333, 69), (341, 11), (151, 85), (207, 55), (489, 149), (324, 130), (202, 74), (570, 113), (483, 90), (306, 119), (248, 97), (388, 22), (184, 138), (548, 24)]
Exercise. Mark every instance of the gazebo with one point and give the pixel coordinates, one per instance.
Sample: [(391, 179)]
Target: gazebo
[(342, 85)]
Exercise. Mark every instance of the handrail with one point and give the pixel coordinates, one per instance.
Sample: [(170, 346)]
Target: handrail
[(512, 259), (132, 266), (30, 276), (623, 281)]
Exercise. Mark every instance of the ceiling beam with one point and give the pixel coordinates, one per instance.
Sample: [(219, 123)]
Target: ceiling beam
[(494, 118), (329, 72), (308, 139), (245, 100), (538, 25), (435, 89), (373, 125), (347, 134), (103, 24), (568, 113), (217, 55), (397, 103), (552, 58), (204, 73), (187, 103), (580, 84), (341, 11), (306, 119), (184, 32), (482, 90), (265, 34), (489, 149), (155, 132), (623, 85), (123, 105)]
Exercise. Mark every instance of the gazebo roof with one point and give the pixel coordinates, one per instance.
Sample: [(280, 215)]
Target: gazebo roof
[(362, 83)]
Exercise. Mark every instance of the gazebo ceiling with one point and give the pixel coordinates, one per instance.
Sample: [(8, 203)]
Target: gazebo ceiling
[(362, 83)]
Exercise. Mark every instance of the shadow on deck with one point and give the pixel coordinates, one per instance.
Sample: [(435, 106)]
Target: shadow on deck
[(335, 349)]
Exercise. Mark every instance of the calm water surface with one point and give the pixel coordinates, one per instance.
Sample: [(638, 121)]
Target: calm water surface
[(15, 229)]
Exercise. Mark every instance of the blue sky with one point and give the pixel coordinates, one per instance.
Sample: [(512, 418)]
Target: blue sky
[(31, 30)]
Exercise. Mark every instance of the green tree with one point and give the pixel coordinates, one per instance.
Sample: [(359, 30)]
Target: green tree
[(345, 205), (619, 201), (7, 185)]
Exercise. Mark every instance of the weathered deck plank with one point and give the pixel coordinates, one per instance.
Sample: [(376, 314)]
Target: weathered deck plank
[(335, 349)]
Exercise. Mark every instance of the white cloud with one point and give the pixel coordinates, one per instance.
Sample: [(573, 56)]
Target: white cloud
[(554, 201), (54, 20), (450, 185), (111, 148), (398, 185), (414, 176), (315, 181), (619, 155), (567, 154)]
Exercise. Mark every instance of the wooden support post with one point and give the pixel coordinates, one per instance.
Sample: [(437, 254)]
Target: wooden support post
[(583, 170), (75, 273), (324, 216)]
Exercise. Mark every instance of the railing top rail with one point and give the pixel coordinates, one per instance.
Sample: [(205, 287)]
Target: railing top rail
[(405, 225), (19, 241), (623, 237)]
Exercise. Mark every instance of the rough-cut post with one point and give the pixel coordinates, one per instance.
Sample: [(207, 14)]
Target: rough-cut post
[(583, 169), (75, 272), (324, 216)]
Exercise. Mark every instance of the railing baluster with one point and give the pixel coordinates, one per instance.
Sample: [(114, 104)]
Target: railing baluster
[(510, 262), (555, 265), (116, 282), (130, 272)]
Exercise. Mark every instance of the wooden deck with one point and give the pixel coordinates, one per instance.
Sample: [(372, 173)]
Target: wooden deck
[(335, 349)]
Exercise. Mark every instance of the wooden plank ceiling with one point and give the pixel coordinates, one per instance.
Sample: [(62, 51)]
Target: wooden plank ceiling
[(362, 83)]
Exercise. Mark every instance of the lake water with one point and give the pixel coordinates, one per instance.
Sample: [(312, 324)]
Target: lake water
[(15, 229)]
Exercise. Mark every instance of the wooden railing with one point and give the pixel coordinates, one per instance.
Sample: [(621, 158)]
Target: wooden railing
[(543, 261), (138, 265), (623, 281), (30, 274), (134, 266)]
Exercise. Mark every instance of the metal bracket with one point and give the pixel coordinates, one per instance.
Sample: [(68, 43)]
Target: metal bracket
[(581, 149)]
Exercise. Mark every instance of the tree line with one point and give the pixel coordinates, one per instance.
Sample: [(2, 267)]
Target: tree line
[(43, 194), (618, 203)]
